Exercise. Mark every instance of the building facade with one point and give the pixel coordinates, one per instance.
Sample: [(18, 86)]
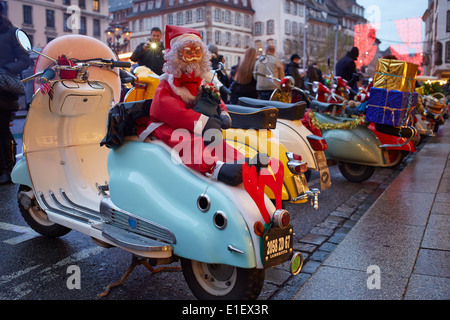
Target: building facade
[(225, 23), (44, 20), (436, 59)]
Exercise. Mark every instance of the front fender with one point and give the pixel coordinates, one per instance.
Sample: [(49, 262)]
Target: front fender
[(145, 181), (20, 174)]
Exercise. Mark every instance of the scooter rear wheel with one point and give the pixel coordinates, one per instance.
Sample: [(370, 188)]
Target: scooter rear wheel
[(356, 172), (220, 281), (37, 219)]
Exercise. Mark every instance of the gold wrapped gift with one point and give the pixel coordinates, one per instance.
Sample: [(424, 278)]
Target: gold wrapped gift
[(395, 75)]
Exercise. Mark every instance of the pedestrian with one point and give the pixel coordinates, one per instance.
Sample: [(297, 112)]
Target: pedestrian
[(218, 63), (319, 73), (292, 68), (264, 86), (346, 66), (13, 60), (244, 84), (151, 53)]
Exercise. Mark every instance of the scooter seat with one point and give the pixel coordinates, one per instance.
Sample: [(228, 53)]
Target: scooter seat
[(251, 118), (325, 106), (288, 111)]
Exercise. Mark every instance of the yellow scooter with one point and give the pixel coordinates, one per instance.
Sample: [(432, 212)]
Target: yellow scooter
[(251, 133)]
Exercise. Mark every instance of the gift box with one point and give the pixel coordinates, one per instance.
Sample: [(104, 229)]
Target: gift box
[(391, 107), (395, 75)]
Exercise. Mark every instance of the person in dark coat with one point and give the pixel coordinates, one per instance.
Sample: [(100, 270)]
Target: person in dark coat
[(291, 69), (346, 66), (151, 54), (13, 60)]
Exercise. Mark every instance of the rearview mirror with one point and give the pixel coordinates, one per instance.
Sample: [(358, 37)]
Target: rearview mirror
[(23, 40)]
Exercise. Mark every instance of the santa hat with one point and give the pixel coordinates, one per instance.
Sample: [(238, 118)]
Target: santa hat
[(175, 35)]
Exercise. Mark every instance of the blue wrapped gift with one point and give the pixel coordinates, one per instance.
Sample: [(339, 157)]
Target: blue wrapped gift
[(391, 107)]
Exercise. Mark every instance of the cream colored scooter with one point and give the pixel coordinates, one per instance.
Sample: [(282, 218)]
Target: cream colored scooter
[(138, 197)]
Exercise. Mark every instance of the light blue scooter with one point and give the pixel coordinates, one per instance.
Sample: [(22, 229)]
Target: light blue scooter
[(138, 196)]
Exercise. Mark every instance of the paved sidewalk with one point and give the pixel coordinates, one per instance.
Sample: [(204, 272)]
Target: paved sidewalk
[(400, 248)]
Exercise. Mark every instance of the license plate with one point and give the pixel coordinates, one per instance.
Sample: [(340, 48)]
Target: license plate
[(324, 173), (300, 183), (277, 246)]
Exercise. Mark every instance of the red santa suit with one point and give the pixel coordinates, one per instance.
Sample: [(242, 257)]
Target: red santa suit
[(173, 120)]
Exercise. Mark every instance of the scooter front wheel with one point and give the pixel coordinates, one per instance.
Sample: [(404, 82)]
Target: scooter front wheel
[(356, 172), (37, 219), (220, 281)]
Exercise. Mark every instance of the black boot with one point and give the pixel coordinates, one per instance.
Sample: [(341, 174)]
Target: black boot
[(229, 173)]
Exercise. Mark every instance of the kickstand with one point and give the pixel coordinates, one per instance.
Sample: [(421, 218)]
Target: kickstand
[(135, 261)]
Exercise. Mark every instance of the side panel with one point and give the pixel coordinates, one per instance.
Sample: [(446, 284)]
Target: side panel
[(358, 145), (292, 134), (145, 181)]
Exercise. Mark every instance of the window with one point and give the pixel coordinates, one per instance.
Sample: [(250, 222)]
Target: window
[(247, 21), (237, 19), (438, 54), (82, 4), (217, 15), (448, 21), (258, 28), (66, 18), (170, 19), (237, 40), (287, 27), (287, 7), (189, 16), (5, 7), (96, 5), (447, 52), (179, 18), (293, 8), (96, 25), (246, 42), (83, 29), (217, 37), (66, 2), (227, 17), (270, 27), (27, 14), (200, 14), (228, 39), (50, 18)]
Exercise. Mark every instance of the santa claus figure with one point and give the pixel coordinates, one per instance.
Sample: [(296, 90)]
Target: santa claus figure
[(179, 115)]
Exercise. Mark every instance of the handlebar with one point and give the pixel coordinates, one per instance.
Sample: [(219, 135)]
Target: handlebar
[(48, 75), (79, 69), (121, 64)]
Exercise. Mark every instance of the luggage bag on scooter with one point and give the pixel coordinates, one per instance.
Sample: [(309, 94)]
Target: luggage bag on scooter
[(122, 121)]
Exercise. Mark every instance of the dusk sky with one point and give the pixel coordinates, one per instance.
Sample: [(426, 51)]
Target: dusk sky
[(387, 11)]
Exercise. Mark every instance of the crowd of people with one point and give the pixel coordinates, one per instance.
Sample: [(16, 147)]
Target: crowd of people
[(242, 80)]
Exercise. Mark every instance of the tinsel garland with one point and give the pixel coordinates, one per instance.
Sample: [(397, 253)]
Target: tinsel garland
[(347, 125)]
